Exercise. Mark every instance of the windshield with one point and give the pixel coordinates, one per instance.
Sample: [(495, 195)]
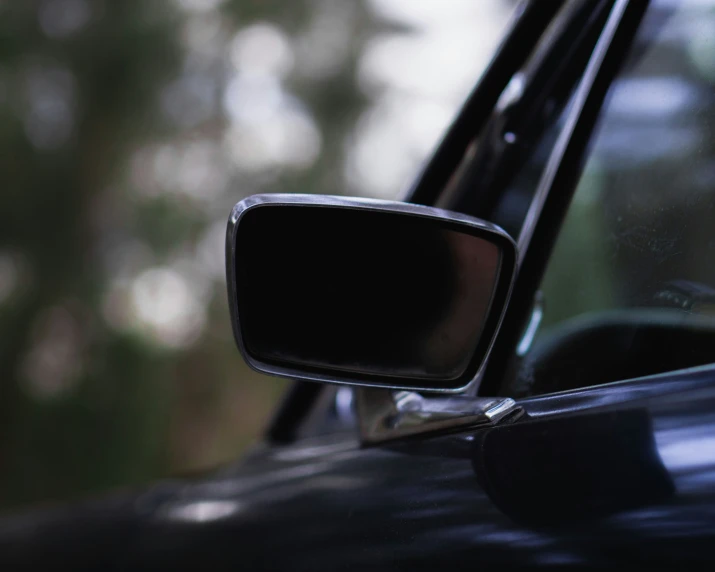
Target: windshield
[(635, 257)]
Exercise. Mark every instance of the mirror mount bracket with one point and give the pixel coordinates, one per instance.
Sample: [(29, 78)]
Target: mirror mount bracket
[(386, 415)]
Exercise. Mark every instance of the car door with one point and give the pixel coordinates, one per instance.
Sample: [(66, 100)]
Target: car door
[(605, 346)]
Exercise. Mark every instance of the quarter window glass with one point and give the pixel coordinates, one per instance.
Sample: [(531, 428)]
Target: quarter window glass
[(630, 288)]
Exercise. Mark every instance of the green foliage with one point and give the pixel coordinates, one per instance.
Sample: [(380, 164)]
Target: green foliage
[(90, 398)]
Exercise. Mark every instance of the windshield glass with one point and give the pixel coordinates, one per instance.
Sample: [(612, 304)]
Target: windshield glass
[(635, 254)]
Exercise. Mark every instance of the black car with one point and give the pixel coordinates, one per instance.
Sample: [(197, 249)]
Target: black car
[(513, 368)]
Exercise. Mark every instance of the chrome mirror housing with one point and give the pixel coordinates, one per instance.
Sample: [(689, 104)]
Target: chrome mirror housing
[(365, 292)]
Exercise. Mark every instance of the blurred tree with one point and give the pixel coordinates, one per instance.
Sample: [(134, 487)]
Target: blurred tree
[(125, 130), (78, 402)]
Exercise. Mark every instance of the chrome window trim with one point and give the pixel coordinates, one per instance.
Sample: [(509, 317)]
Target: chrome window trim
[(546, 182)]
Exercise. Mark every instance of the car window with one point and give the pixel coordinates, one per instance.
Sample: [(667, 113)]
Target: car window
[(630, 287)]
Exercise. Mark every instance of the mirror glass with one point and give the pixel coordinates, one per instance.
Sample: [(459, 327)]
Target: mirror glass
[(362, 291)]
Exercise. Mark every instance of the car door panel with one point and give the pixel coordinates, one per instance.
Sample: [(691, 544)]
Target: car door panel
[(326, 503)]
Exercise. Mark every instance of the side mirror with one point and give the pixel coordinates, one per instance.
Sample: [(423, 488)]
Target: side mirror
[(365, 292)]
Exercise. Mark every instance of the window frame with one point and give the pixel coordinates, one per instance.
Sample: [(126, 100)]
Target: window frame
[(558, 184)]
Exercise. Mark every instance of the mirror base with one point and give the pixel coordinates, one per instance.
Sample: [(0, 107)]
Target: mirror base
[(386, 415)]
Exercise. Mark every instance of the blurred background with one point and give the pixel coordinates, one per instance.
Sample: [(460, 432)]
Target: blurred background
[(128, 129)]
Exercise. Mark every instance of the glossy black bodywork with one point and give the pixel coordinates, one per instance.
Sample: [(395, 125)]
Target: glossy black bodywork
[(327, 504), (528, 25)]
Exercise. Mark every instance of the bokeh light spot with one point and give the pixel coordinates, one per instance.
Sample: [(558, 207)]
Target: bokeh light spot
[(62, 18), (55, 360), (263, 49)]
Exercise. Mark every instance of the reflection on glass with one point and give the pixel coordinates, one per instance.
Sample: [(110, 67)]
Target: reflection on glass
[(367, 292)]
